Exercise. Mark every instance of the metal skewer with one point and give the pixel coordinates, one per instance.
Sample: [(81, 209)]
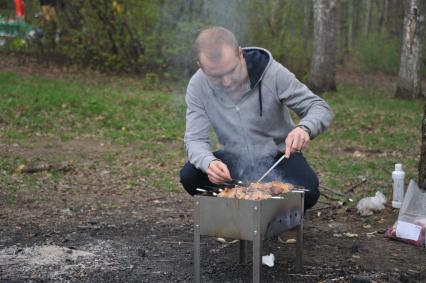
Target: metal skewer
[(206, 191), (270, 169)]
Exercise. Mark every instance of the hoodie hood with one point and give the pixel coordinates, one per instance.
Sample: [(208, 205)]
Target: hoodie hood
[(257, 60)]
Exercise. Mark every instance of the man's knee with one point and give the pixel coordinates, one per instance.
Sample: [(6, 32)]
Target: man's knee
[(312, 196), (184, 175), (186, 179), (192, 178)]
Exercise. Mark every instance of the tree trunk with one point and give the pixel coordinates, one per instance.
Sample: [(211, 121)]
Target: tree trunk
[(384, 17), (367, 19), (350, 25), (323, 66), (307, 31), (422, 163), (356, 10), (409, 80), (306, 24), (337, 31)]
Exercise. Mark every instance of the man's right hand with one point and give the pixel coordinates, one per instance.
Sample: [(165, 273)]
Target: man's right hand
[(218, 172)]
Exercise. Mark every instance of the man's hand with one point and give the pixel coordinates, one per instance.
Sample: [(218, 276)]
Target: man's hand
[(218, 172), (296, 140)]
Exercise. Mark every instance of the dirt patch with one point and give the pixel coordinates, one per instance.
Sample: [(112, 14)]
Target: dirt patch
[(87, 225), (378, 80), (50, 147), (154, 244), (28, 65), (110, 220)]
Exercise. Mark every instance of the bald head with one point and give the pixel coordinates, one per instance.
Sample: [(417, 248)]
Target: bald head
[(210, 42)]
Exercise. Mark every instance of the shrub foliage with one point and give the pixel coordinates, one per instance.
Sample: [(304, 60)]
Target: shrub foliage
[(155, 37)]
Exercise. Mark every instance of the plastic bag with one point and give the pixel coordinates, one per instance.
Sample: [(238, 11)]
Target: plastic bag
[(367, 205), (411, 224)]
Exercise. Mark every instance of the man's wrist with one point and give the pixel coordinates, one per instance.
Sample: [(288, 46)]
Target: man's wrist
[(216, 159), (306, 129)]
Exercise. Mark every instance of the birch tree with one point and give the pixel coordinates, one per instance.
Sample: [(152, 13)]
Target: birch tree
[(323, 66), (409, 80)]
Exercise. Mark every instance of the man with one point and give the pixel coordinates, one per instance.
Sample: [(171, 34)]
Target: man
[(246, 97)]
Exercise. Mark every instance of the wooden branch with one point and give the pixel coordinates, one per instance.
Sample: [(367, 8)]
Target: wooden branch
[(329, 197), (333, 191), (353, 187), (322, 208), (303, 275), (324, 202)]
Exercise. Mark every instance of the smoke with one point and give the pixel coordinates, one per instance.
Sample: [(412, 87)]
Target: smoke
[(249, 168), (229, 14), (180, 21)]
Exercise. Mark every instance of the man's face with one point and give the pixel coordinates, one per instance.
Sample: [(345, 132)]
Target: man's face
[(227, 73)]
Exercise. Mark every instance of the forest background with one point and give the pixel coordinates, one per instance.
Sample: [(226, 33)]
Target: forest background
[(154, 38)]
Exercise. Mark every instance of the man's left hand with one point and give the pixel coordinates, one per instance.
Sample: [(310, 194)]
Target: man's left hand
[(296, 140)]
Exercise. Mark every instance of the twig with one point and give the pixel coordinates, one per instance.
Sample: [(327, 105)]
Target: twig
[(324, 202), (333, 191), (303, 275), (322, 208), (353, 187), (177, 242), (328, 196)]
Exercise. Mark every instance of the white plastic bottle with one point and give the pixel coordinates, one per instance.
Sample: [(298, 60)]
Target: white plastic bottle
[(398, 186)]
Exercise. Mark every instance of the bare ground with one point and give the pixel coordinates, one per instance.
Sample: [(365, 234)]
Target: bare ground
[(88, 226)]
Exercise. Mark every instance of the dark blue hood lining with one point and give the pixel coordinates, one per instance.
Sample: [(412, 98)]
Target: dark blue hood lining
[(256, 61), (260, 98)]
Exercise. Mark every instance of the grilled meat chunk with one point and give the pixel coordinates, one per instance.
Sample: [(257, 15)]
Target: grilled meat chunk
[(257, 191)]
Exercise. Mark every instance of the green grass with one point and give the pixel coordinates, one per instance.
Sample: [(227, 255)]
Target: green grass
[(371, 130), (121, 113)]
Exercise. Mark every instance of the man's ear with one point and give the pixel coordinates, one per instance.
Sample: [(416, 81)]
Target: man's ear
[(199, 64), (240, 51)]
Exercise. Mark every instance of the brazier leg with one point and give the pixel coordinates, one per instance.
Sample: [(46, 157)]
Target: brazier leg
[(197, 237), (243, 251), (299, 243), (196, 256), (257, 256)]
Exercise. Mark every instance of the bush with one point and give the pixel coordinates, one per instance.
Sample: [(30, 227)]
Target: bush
[(377, 53)]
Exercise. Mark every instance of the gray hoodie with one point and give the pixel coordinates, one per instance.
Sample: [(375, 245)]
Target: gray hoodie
[(257, 125)]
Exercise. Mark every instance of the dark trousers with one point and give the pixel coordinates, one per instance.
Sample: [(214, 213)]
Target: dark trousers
[(294, 170)]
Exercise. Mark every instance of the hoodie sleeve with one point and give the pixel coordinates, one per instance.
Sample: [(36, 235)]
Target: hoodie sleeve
[(197, 140), (313, 111)]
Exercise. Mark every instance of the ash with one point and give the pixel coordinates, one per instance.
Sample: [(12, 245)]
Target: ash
[(57, 263)]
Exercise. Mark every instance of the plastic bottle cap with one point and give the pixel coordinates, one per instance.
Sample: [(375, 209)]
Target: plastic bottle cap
[(398, 167), (396, 204)]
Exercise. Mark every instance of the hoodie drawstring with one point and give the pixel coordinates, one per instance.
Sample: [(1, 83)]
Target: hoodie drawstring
[(260, 98)]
